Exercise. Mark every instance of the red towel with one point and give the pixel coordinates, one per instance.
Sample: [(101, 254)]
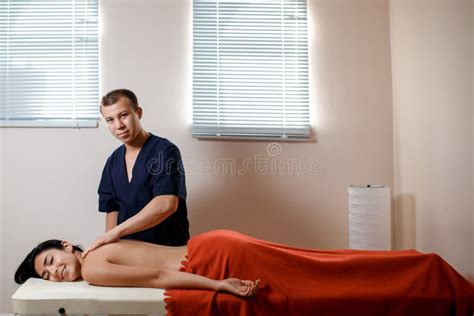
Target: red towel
[(298, 281)]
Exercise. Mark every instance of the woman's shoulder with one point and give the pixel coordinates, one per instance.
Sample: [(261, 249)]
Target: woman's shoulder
[(105, 251), (95, 256), (98, 259), (110, 252)]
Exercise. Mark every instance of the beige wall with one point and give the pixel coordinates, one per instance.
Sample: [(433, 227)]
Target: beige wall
[(307, 210), (51, 175), (433, 116), (2, 246)]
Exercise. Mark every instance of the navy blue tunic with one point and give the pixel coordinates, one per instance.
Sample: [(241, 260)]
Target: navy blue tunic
[(158, 170)]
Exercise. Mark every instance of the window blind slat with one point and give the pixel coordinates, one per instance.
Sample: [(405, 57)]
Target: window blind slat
[(49, 62)]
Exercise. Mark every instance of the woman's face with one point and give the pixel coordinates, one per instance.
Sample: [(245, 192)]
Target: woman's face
[(59, 265)]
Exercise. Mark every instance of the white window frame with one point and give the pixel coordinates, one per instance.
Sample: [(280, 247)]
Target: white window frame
[(49, 63), (267, 42)]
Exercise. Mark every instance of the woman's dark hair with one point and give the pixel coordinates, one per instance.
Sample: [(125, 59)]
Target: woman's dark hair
[(113, 96), (26, 269)]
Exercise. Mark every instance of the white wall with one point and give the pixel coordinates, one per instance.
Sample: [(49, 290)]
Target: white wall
[(52, 174), (432, 60), (50, 179)]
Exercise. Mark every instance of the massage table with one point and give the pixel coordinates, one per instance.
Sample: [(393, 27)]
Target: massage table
[(37, 296)]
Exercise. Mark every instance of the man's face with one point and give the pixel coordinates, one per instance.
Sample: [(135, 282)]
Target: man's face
[(122, 121)]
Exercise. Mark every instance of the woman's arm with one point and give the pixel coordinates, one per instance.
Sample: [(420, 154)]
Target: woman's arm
[(110, 274), (184, 280)]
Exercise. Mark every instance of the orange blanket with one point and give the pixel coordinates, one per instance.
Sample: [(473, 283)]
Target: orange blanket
[(308, 282)]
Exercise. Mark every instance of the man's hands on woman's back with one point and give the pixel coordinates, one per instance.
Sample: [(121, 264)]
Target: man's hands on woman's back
[(108, 237)]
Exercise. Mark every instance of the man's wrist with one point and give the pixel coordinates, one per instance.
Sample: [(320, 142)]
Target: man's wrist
[(116, 232)]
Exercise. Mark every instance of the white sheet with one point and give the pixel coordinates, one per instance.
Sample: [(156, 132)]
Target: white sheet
[(37, 296)]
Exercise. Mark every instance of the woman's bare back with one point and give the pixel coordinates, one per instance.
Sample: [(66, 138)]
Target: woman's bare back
[(139, 264), (139, 254)]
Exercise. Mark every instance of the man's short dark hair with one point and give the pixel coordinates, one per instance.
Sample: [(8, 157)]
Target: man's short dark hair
[(113, 96)]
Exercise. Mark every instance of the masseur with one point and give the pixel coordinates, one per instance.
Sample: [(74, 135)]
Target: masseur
[(142, 190)]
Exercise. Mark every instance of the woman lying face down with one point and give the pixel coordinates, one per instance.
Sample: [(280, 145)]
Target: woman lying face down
[(124, 263), (297, 281)]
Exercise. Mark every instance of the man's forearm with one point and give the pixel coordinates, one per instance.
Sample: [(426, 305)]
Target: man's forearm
[(156, 211), (111, 220)]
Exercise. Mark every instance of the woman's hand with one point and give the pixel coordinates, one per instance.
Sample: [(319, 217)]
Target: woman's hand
[(238, 287)]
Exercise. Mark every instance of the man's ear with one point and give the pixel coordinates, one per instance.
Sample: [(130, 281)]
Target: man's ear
[(67, 246), (139, 111)]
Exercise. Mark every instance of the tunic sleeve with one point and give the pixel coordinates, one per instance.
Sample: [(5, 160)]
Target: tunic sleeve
[(168, 173), (107, 202)]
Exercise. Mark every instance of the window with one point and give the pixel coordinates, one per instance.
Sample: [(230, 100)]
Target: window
[(250, 69), (49, 63)]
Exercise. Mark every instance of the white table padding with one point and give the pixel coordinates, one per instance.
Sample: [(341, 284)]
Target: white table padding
[(37, 296)]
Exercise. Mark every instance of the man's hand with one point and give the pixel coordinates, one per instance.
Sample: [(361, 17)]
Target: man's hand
[(107, 238)]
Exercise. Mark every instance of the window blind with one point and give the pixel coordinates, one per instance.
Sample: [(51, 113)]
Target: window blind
[(49, 63), (250, 68)]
